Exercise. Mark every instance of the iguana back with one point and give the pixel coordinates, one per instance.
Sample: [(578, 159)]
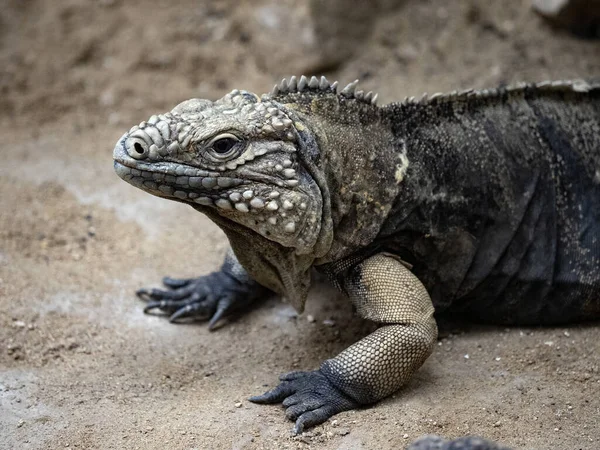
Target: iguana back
[(499, 210)]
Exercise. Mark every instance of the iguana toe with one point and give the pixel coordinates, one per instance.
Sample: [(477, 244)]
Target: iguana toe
[(309, 398), (174, 283)]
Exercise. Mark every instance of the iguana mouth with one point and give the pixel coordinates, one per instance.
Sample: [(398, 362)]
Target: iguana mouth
[(257, 194), (168, 176), (170, 179)]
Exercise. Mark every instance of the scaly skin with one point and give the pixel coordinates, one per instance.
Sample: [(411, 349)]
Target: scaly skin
[(469, 202)]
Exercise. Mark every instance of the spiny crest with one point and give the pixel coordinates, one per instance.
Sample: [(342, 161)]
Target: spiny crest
[(304, 84), (545, 86)]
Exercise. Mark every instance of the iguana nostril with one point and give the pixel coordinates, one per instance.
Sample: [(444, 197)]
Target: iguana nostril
[(138, 148)]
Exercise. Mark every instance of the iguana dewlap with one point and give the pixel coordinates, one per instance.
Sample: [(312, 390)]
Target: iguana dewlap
[(479, 203)]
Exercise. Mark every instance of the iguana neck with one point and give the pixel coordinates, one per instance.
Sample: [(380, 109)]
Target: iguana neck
[(362, 166)]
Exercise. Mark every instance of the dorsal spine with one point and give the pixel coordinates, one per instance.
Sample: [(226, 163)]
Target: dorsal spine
[(304, 84)]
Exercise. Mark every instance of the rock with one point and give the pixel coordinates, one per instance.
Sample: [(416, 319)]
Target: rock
[(329, 322), (433, 442), (308, 36), (581, 17)]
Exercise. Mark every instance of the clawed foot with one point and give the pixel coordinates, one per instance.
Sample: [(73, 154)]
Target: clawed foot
[(209, 297), (309, 398)]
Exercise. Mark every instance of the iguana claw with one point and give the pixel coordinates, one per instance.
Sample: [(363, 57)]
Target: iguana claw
[(212, 296), (309, 398)]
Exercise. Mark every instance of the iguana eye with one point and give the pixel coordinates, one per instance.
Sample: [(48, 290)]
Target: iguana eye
[(223, 145)]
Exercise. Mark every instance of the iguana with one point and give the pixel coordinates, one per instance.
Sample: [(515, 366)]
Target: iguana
[(483, 204)]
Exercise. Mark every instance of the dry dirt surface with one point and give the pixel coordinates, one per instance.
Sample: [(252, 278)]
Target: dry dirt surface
[(82, 367)]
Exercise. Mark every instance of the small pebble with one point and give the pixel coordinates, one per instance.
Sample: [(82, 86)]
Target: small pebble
[(329, 323), (310, 318), (238, 405), (405, 436)]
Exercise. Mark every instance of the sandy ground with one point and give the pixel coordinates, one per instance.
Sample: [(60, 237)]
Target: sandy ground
[(82, 367)]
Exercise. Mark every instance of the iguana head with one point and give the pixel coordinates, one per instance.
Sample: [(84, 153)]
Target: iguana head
[(251, 163)]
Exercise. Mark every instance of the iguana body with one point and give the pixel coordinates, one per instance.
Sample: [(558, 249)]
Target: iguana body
[(484, 204)]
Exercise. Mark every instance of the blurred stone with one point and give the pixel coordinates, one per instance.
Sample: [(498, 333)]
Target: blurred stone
[(308, 36), (581, 17)]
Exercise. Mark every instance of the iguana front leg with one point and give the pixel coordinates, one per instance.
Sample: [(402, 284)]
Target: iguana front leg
[(385, 291), (212, 296)]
